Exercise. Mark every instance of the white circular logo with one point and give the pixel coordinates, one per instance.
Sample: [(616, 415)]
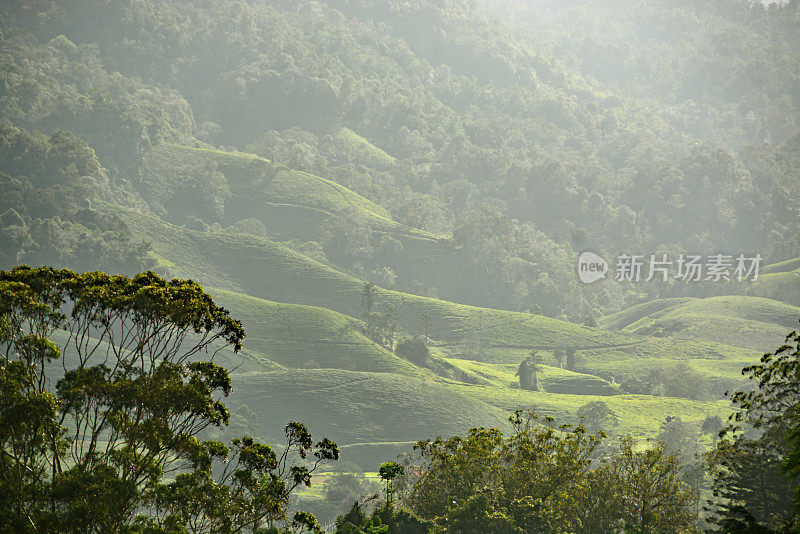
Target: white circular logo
[(591, 267)]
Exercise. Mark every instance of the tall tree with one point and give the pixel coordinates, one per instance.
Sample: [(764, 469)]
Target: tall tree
[(130, 397), (388, 472), (754, 461), (369, 293), (525, 373)]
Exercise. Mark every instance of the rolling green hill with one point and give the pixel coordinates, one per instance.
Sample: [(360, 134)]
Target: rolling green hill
[(360, 150), (750, 322), (640, 415), (229, 186), (375, 415), (379, 397), (309, 337), (282, 154), (779, 281), (354, 407), (552, 379), (265, 269)]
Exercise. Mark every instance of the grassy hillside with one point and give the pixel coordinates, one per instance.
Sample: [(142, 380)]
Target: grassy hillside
[(715, 337), (353, 407), (639, 415), (779, 281), (751, 322), (265, 269), (366, 397), (376, 415), (309, 337), (552, 379), (361, 151), (261, 268), (230, 186)]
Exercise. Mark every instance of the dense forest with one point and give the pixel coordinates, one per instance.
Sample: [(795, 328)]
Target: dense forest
[(391, 199), (508, 142)]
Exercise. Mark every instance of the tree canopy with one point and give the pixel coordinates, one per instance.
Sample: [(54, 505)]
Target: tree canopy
[(108, 438)]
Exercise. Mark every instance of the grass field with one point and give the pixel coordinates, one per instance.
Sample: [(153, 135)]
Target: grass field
[(306, 357), (299, 336), (264, 269), (750, 322), (779, 281), (291, 204), (355, 407), (361, 151)]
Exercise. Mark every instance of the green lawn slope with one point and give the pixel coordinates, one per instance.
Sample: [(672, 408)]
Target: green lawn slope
[(298, 336), (639, 415), (779, 281), (756, 323), (305, 316), (237, 185), (361, 151), (357, 408), (552, 379), (265, 269)]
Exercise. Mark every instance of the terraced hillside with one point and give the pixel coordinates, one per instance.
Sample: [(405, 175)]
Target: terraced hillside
[(354, 407), (779, 281), (265, 269), (227, 186), (374, 415), (299, 336), (262, 268), (304, 316), (749, 322)]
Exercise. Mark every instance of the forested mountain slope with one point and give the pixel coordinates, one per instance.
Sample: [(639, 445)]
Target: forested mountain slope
[(458, 154), (454, 122)]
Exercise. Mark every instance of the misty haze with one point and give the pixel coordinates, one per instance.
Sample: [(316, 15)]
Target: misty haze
[(401, 267)]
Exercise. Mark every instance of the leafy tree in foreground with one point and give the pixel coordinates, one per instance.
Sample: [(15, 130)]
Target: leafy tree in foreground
[(760, 448), (541, 479), (638, 491), (130, 397), (384, 519)]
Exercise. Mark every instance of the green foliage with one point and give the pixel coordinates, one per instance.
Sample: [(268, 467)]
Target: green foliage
[(120, 116), (680, 437), (386, 520), (242, 486), (388, 472), (382, 326), (44, 198), (541, 479), (429, 148), (414, 350), (678, 381), (506, 139), (528, 372), (757, 451), (102, 426), (596, 415), (91, 454), (643, 492)]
